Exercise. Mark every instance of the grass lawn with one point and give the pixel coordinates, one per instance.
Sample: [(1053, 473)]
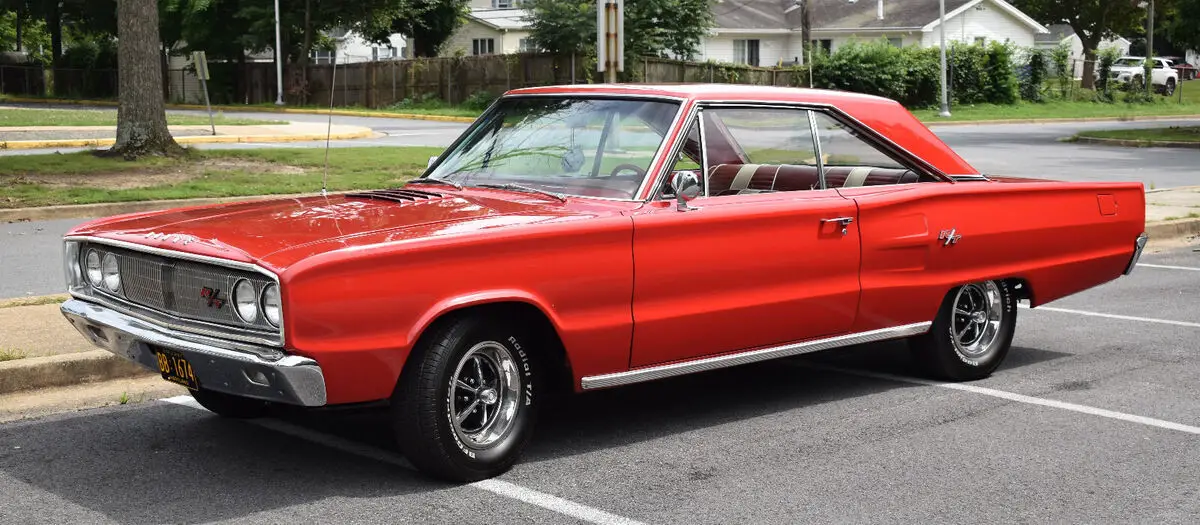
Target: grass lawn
[(14, 117), (1170, 134), (81, 178)]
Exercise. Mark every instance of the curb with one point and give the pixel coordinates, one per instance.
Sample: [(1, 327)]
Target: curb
[(107, 209), (33, 373), (220, 139), (1168, 230), (256, 109), (1130, 143), (1129, 118)]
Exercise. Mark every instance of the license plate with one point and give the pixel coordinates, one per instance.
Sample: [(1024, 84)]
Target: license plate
[(176, 368)]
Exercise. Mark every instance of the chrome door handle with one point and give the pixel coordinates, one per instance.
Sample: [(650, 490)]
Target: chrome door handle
[(844, 221)]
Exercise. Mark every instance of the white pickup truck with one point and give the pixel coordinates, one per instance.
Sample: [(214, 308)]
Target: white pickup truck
[(1163, 77)]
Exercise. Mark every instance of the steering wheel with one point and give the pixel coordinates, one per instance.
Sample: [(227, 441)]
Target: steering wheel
[(622, 167)]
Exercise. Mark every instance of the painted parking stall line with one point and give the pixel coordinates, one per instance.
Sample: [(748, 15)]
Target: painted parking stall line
[(1111, 316), (495, 486), (1168, 267), (1011, 396)]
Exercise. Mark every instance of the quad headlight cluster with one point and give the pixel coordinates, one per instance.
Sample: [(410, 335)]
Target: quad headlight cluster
[(249, 302), (102, 271)]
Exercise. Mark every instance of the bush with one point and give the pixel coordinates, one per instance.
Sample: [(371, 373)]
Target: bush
[(911, 75), (1034, 76), (1103, 82), (479, 100)]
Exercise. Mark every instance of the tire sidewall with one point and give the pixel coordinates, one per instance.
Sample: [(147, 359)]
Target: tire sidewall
[(504, 451)]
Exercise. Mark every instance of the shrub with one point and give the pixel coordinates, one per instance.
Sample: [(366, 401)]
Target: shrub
[(1034, 76), (1103, 82), (908, 75), (479, 100)]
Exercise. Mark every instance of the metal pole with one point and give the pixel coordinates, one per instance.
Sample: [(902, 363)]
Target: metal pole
[(278, 58), (1150, 52), (942, 28)]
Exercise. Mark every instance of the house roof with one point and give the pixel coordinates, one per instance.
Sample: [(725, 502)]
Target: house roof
[(1057, 33), (503, 19), (843, 15)]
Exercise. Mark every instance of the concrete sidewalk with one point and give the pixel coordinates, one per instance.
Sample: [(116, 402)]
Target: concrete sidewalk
[(39, 137)]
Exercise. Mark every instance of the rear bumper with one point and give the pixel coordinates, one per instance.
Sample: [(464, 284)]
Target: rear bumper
[(1138, 246), (221, 366)]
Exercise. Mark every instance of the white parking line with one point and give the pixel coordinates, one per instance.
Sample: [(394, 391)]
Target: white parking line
[(1111, 316), (1169, 267), (495, 486), (1019, 398)]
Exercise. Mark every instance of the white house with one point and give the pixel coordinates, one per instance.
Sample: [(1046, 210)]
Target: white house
[(1060, 34), (767, 32), (492, 27)]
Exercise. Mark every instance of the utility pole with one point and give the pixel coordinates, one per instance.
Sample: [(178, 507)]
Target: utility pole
[(610, 38), (945, 89), (1149, 67), (278, 58)]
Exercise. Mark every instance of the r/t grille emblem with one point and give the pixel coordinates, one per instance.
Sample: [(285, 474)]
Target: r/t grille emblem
[(950, 236), (213, 297)]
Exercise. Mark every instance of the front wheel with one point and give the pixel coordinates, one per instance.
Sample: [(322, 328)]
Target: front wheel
[(972, 332), (1169, 89), (464, 409)]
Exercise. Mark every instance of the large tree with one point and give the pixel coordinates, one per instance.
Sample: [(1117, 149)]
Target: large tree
[(141, 115), (652, 27), (1092, 20)]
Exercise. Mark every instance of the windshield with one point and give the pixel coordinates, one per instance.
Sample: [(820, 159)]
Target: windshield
[(1129, 62), (593, 147)]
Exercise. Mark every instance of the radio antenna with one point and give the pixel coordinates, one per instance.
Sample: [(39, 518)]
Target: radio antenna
[(329, 127)]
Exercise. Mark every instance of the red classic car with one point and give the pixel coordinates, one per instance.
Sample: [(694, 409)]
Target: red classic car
[(596, 236)]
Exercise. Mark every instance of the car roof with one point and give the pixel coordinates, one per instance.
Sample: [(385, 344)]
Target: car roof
[(886, 116)]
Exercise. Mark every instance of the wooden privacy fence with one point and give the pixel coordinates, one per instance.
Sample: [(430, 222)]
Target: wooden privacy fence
[(457, 79)]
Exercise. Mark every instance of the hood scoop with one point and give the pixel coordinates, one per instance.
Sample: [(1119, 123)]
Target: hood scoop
[(396, 195)]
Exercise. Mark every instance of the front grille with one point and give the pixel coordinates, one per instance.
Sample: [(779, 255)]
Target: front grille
[(175, 286)]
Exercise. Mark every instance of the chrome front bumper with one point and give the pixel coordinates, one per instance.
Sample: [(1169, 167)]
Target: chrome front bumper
[(1138, 246), (219, 365)]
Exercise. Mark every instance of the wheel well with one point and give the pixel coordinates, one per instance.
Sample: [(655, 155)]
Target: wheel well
[(1020, 288), (546, 337)]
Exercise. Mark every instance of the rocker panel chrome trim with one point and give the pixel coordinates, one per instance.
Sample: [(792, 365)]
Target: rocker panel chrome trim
[(723, 361)]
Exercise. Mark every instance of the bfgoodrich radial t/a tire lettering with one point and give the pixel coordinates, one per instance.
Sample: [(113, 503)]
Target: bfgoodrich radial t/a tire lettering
[(465, 407), (972, 332)]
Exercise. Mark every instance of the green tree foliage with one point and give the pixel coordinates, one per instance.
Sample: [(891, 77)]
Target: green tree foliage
[(1182, 23), (1034, 79), (652, 27), (35, 41), (1092, 20), (429, 24)]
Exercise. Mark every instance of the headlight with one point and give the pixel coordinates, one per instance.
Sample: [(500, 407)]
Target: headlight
[(245, 301), (110, 272), (270, 304), (92, 266)]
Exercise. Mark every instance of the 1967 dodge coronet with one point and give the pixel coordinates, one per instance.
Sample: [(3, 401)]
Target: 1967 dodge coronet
[(591, 237)]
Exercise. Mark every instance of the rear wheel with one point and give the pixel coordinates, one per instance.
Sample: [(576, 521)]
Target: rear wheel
[(972, 333), (231, 406), (464, 408)]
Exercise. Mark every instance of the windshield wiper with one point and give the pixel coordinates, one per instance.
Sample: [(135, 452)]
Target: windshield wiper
[(520, 187), (436, 181)]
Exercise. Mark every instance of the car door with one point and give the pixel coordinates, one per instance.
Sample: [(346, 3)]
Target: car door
[(765, 258)]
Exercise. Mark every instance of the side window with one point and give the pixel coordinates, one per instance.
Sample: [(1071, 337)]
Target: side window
[(757, 150), (849, 160)]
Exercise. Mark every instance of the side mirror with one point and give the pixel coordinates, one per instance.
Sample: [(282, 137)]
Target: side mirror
[(686, 186), (431, 161)]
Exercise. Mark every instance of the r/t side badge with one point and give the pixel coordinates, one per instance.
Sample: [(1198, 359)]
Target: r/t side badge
[(949, 237)]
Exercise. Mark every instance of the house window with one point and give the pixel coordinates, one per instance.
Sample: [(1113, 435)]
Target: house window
[(745, 52), (503, 4), (981, 40), (896, 41), (526, 45), (824, 43), (483, 46)]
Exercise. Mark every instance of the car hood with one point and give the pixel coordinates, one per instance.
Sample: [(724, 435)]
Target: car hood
[(259, 231)]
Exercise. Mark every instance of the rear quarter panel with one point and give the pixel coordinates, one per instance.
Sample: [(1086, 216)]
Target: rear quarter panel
[(1060, 237), (359, 311)]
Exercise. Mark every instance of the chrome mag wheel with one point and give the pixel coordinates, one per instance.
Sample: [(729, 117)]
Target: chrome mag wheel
[(485, 391), (978, 310)]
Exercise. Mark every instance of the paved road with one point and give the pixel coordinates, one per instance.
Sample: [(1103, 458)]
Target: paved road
[(1091, 419)]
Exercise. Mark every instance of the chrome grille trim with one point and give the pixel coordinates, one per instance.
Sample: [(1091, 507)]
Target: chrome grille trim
[(179, 306)]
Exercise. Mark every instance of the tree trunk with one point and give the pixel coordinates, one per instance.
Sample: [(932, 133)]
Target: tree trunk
[(1090, 41), (54, 26), (141, 116)]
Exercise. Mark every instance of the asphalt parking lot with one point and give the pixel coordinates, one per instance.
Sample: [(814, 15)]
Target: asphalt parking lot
[(1095, 417)]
